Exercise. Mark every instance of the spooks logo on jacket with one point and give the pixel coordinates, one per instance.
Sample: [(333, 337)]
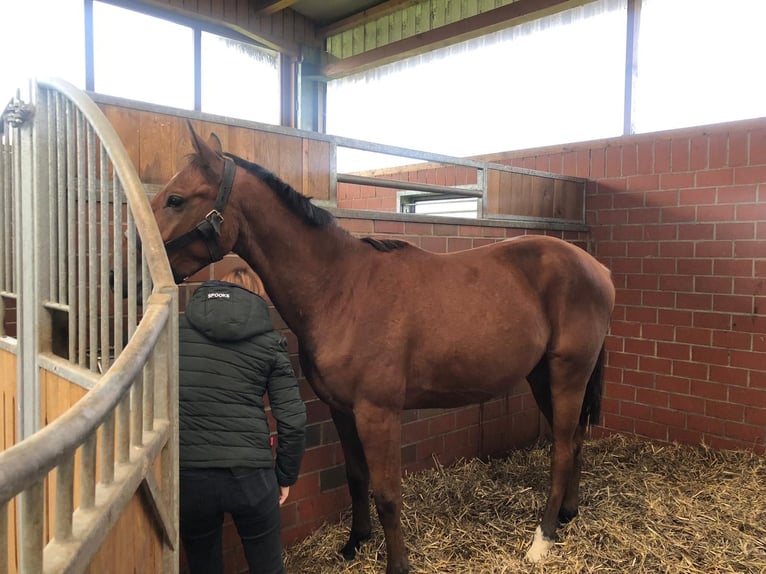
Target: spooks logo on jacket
[(218, 295)]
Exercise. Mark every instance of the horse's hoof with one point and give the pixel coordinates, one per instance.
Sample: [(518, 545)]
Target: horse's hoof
[(349, 550), (566, 516), (540, 548)]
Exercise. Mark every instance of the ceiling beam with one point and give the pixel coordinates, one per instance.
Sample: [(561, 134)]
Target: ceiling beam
[(268, 7), (364, 16), (478, 25)]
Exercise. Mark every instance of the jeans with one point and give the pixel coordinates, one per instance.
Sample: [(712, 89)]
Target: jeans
[(251, 496)]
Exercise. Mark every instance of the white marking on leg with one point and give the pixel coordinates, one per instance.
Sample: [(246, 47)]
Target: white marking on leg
[(540, 547)]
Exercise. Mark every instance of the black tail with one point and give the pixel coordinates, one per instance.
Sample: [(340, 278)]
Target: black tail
[(591, 405)]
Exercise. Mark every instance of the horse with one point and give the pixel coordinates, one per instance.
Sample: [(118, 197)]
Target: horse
[(384, 326)]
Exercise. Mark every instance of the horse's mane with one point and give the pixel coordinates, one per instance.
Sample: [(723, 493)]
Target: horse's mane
[(296, 202), (386, 244), (301, 205)]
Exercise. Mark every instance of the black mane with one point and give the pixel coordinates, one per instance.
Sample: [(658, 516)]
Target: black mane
[(294, 201), (385, 244)]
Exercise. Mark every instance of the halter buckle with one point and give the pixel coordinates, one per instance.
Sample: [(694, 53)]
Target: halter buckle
[(216, 219)]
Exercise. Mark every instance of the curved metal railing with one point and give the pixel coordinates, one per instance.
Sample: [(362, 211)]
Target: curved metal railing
[(87, 216)]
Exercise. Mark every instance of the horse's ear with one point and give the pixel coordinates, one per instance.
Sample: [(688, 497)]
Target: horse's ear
[(209, 152), (215, 143)]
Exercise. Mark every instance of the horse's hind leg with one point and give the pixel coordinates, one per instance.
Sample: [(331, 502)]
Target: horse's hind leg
[(358, 477), (567, 390)]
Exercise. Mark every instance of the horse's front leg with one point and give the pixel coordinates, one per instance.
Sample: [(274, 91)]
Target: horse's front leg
[(380, 432), (358, 477)]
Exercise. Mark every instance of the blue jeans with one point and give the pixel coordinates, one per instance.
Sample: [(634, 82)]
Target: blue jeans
[(251, 496)]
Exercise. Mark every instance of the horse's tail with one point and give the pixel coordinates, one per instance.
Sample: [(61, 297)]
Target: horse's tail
[(591, 405)]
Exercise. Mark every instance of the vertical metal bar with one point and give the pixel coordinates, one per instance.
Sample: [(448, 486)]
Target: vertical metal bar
[(82, 198), (105, 250), (123, 430), (5, 202), (88, 472), (53, 197), (150, 372), (482, 182), (61, 186), (631, 65), (118, 263), (31, 512), (132, 263), (107, 450), (137, 412), (62, 527), (71, 211), (92, 258)]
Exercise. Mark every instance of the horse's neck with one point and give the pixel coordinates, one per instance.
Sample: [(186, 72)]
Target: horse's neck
[(300, 265)]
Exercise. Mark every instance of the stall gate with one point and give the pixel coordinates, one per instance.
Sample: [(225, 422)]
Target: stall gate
[(88, 461)]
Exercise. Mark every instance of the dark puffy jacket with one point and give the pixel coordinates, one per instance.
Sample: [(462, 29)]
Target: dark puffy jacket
[(229, 357)]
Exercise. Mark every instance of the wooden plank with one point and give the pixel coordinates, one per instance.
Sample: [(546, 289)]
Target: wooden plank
[(370, 36), (155, 132), (267, 7), (126, 123), (493, 191), (241, 142), (290, 167), (316, 169)]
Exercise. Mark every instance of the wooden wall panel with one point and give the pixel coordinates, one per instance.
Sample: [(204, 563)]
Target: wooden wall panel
[(158, 144), (133, 545), (7, 400), (8, 439), (532, 195)]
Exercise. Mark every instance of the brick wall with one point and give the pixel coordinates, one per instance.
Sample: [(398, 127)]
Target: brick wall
[(680, 218)]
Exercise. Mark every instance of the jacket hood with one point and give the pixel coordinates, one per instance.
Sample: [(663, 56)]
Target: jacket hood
[(227, 312)]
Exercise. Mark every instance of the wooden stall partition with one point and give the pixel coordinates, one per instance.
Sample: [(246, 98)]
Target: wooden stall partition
[(158, 143), (7, 440), (8, 398), (533, 195)]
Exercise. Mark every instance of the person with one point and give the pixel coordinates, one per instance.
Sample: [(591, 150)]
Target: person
[(229, 358)]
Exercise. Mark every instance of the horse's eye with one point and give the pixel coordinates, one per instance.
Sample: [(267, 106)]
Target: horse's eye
[(174, 201)]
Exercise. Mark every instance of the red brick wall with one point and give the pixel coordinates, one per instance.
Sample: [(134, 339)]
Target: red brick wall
[(680, 218)]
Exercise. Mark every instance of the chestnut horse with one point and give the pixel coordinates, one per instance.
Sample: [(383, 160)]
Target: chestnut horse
[(384, 326)]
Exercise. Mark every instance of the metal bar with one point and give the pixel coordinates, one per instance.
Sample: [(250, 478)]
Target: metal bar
[(71, 214), (137, 412), (32, 501), (107, 450), (92, 259), (132, 261), (7, 213), (52, 196), (82, 260), (118, 263), (123, 430), (88, 472), (408, 185), (64, 500), (61, 189), (105, 250), (631, 64)]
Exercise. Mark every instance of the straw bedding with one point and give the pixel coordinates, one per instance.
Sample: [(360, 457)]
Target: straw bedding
[(645, 508)]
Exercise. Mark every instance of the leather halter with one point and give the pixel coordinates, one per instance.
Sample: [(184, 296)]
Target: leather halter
[(209, 229)]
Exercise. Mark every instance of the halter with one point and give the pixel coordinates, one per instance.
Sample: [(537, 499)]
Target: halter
[(209, 229)]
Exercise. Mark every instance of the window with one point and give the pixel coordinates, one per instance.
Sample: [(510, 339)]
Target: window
[(239, 80), (552, 80), (699, 62), (433, 204), (155, 65), (153, 59)]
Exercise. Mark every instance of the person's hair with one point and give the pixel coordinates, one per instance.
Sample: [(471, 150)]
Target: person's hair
[(245, 277)]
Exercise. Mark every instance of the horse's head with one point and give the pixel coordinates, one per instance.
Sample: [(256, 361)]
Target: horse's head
[(189, 210)]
